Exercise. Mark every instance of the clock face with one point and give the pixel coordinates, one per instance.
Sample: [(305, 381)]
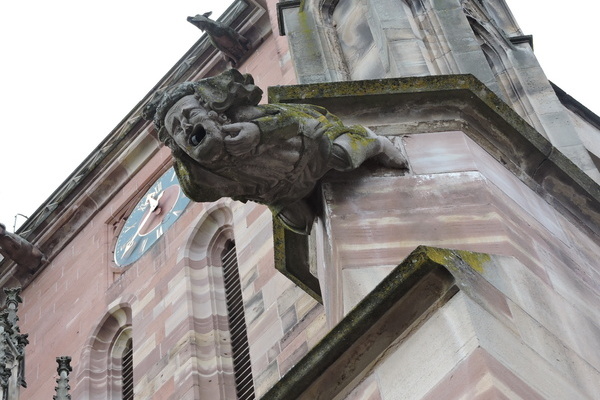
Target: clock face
[(156, 211)]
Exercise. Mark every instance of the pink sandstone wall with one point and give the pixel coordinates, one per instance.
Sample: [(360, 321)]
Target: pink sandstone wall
[(456, 196), (172, 297), (528, 330)]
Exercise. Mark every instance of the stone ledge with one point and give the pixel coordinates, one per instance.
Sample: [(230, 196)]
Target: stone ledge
[(407, 296)]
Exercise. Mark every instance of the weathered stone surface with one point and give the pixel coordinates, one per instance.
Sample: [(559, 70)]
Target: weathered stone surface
[(482, 116), (344, 353), (482, 340), (225, 144), (14, 247), (386, 38), (489, 184)]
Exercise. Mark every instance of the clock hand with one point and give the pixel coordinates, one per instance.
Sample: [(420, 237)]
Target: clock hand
[(155, 206), (153, 203), (129, 247)]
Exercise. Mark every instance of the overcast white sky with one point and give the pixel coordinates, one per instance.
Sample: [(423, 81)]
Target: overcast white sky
[(71, 70)]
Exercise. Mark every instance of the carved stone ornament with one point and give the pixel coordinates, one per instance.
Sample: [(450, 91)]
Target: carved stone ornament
[(20, 250), (62, 382), (225, 144), (233, 45), (12, 344)]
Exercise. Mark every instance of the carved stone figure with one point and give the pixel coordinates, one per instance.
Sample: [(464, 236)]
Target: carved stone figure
[(20, 250), (224, 38), (227, 145)]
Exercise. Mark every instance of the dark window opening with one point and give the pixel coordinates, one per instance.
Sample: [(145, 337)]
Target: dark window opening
[(242, 367), (127, 371)]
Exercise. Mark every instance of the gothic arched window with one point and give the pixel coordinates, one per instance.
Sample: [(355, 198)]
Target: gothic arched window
[(218, 306), (109, 371)]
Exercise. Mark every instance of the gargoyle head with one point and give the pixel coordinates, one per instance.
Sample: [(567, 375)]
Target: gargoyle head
[(201, 21)]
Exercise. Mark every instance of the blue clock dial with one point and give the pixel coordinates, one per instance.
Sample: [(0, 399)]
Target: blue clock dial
[(156, 211)]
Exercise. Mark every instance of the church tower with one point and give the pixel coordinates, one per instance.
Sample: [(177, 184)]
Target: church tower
[(473, 273)]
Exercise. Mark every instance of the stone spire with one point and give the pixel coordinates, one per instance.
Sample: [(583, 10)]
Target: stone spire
[(62, 387), (6, 355), (12, 346)]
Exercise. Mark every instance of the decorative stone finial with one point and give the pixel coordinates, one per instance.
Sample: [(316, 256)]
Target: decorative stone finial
[(12, 301), (12, 343), (13, 297), (225, 144), (63, 369)]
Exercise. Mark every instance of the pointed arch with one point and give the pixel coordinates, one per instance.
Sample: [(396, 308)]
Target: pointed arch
[(212, 246), (101, 373)]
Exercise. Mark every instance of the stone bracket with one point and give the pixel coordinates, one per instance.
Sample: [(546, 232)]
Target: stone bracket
[(292, 259)]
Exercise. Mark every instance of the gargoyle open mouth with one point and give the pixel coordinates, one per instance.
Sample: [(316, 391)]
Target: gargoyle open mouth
[(198, 134)]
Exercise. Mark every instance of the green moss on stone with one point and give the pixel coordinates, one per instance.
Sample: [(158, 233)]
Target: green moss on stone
[(452, 259)]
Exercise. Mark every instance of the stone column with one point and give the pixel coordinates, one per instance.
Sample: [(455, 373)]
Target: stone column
[(313, 43)]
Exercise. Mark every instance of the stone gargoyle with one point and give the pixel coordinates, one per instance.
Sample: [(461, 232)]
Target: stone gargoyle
[(20, 250), (225, 144), (224, 38)]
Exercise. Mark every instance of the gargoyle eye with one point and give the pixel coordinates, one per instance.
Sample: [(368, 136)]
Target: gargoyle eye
[(192, 113), (197, 135)]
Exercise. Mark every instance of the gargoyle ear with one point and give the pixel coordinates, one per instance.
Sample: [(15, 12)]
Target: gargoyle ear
[(207, 14), (165, 138)]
